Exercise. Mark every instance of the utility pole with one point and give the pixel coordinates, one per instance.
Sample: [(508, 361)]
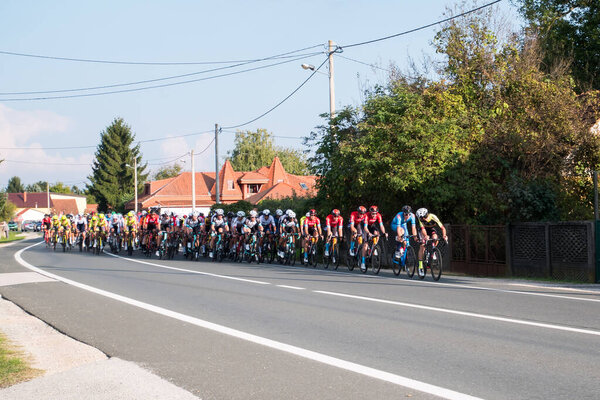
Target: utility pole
[(193, 183), (217, 192), (331, 86), (135, 187), (48, 196)]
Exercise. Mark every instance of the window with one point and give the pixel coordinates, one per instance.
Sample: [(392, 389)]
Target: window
[(230, 184), (253, 189), (303, 186)]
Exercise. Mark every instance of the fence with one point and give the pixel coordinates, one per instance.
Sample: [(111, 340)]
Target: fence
[(558, 250)]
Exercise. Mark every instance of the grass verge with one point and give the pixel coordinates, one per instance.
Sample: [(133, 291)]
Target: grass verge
[(12, 236), (13, 366)]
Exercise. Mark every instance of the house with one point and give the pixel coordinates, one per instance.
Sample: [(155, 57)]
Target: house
[(273, 182), (60, 203)]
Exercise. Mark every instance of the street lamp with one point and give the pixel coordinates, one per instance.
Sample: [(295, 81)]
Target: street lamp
[(135, 190), (331, 85)]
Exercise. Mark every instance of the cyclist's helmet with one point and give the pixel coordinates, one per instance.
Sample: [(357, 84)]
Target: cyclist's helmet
[(407, 209), (101, 216), (201, 215), (422, 213), (55, 217), (312, 212), (241, 214), (230, 214), (63, 218), (288, 211), (291, 214), (362, 210), (130, 213), (336, 212), (373, 209), (279, 212), (253, 213), (266, 212), (307, 214), (219, 211)]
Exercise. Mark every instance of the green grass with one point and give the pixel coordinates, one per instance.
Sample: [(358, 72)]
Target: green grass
[(12, 236), (13, 368)]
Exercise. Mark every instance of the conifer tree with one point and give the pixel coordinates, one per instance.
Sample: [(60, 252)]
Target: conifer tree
[(112, 180)]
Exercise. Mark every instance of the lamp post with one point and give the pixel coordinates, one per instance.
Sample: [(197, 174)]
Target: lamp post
[(331, 81), (135, 190)]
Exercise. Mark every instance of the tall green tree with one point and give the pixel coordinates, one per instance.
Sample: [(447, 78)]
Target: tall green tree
[(7, 209), (168, 171), (255, 149), (569, 31), (112, 180), (60, 187), (15, 185), (39, 186)]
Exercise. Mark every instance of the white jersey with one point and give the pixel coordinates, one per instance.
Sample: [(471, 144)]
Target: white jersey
[(251, 224), (266, 220), (218, 222)]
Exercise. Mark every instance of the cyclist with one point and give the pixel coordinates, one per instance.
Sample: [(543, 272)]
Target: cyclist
[(237, 226), (80, 223), (151, 225), (400, 226), (192, 226), (288, 226), (268, 225), (427, 224), (333, 227), (251, 226), (356, 220), (312, 229), (217, 227), (46, 225), (130, 227), (373, 227)]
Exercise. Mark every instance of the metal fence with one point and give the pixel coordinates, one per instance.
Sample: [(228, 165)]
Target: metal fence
[(557, 250)]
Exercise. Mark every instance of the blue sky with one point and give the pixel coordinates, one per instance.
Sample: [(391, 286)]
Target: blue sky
[(187, 31)]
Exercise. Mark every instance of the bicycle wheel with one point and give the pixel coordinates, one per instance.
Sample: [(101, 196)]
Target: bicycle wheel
[(335, 257), (396, 265), (410, 261), (435, 264), (376, 259)]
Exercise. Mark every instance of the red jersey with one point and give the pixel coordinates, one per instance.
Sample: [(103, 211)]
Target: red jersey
[(372, 220), (311, 222), (356, 217), (152, 219), (333, 221)]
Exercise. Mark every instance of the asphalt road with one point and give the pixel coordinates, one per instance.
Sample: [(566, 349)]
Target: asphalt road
[(239, 331)]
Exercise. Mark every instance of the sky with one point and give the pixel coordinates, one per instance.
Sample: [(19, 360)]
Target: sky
[(189, 31)]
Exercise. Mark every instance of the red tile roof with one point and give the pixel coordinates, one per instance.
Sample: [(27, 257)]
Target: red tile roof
[(275, 183), (29, 200), (64, 206)]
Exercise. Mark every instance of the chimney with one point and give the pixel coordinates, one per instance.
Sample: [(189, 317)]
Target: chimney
[(24, 197)]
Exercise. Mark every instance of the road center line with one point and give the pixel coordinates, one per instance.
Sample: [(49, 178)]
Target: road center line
[(464, 313), (190, 270), (290, 287), (298, 351)]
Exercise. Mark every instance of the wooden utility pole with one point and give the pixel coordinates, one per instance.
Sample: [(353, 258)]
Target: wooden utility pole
[(217, 191), (193, 183)]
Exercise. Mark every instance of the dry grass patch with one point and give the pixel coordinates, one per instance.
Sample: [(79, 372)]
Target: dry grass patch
[(14, 367)]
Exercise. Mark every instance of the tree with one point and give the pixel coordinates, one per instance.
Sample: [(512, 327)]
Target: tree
[(60, 187), (256, 149), (39, 186), (15, 185), (168, 171), (112, 180), (7, 209), (569, 31)]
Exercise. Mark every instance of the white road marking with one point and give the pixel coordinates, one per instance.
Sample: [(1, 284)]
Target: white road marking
[(567, 289), (464, 313), (298, 351), (17, 278), (290, 287), (190, 270)]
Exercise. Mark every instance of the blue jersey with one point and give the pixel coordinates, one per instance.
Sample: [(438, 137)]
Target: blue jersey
[(400, 221)]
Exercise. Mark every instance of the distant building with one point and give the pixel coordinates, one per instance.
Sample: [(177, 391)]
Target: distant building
[(31, 205), (273, 182)]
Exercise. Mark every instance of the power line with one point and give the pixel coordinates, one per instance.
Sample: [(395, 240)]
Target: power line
[(155, 86), (281, 102), (43, 163), (148, 80), (206, 148), (364, 63), (88, 147), (151, 63), (421, 27)]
